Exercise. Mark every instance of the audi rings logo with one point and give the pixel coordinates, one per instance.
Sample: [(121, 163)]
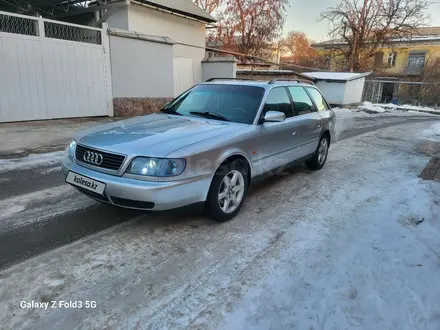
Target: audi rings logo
[(93, 158)]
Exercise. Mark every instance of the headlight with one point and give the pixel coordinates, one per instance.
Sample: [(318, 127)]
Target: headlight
[(156, 166), (71, 149)]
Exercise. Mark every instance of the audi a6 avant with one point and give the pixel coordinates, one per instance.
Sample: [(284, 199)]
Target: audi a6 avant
[(207, 145)]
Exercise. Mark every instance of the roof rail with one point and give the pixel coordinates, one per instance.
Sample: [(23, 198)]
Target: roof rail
[(273, 81), (213, 79)]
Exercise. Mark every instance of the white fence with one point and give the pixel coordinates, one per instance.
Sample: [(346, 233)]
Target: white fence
[(50, 69)]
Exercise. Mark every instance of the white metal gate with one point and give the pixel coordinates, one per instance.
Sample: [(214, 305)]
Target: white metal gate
[(50, 69)]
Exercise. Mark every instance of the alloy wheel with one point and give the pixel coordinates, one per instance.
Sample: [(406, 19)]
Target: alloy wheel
[(231, 191)]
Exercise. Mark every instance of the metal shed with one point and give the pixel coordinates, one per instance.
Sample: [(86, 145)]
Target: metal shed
[(340, 88)]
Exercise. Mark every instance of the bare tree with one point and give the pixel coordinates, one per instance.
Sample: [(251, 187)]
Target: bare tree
[(299, 48), (430, 91), (250, 26), (365, 25), (208, 5)]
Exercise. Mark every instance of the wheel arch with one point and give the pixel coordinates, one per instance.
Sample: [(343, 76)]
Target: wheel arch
[(326, 132), (231, 158)]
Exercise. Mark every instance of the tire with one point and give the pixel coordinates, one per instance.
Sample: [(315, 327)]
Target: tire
[(215, 207), (320, 156)]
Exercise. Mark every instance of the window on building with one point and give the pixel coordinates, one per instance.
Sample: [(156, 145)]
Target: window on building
[(392, 59), (416, 61)]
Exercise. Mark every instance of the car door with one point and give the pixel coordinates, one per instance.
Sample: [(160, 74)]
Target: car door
[(308, 121), (278, 141), (323, 109)]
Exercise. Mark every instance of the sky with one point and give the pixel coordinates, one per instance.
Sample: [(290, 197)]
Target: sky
[(303, 15)]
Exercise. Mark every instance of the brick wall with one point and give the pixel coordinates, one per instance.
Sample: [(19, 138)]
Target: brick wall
[(131, 106)]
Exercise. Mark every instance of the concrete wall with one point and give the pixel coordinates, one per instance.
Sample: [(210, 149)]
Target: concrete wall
[(219, 67), (141, 68), (119, 19), (182, 30), (142, 75)]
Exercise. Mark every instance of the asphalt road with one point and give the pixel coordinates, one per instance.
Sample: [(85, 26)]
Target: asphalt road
[(42, 213)]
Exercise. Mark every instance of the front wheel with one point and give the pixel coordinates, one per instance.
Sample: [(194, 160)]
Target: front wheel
[(320, 156), (227, 192)]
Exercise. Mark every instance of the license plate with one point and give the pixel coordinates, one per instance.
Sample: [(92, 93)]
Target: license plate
[(85, 182)]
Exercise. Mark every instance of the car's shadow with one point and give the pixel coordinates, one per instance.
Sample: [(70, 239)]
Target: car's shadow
[(193, 216)]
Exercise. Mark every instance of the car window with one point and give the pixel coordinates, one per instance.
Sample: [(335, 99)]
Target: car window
[(278, 100), (301, 101), (234, 102), (319, 100)]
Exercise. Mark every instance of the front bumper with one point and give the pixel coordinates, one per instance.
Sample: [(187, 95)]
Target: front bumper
[(138, 194)]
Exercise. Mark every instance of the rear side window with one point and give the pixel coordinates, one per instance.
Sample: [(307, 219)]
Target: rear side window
[(319, 100), (301, 101), (278, 100)]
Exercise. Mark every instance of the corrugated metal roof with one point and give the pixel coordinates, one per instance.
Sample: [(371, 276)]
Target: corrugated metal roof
[(183, 7)]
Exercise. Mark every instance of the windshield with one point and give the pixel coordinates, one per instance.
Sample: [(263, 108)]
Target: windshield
[(222, 102)]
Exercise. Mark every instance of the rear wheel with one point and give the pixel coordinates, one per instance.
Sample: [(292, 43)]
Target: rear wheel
[(227, 192), (320, 156)]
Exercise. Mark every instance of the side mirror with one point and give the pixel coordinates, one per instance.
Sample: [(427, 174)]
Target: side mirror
[(274, 117)]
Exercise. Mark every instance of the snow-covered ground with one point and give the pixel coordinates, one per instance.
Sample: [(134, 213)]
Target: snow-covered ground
[(390, 107), (353, 246)]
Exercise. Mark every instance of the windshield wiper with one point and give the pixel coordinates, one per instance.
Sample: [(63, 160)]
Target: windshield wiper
[(210, 114), (171, 112)]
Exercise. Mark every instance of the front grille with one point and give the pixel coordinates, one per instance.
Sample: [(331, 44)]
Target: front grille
[(109, 161), (93, 195), (132, 203)]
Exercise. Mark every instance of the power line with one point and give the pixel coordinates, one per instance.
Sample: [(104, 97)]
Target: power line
[(250, 56)]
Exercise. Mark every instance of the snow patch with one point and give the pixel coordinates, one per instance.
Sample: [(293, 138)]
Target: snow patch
[(342, 76), (369, 107), (408, 107), (51, 170), (31, 161), (54, 283), (37, 206), (7, 211)]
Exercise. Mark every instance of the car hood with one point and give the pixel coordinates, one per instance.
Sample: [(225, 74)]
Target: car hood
[(154, 135)]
